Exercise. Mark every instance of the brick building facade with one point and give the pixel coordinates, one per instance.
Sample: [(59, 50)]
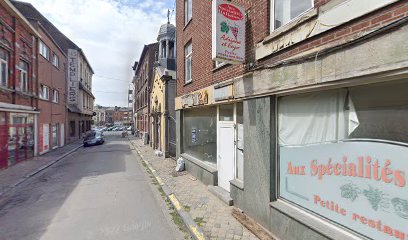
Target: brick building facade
[(18, 86), (318, 85), (52, 92), (143, 78), (80, 106)]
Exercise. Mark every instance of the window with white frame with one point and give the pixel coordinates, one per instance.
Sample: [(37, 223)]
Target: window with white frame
[(55, 96), (285, 11), (188, 62), (23, 67), (3, 68), (219, 64), (44, 92), (44, 50), (188, 11), (55, 60)]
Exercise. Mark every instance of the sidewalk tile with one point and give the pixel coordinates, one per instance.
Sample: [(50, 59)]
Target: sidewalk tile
[(213, 216)]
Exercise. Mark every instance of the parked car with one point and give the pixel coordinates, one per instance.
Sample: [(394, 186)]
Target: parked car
[(94, 138), (129, 128)]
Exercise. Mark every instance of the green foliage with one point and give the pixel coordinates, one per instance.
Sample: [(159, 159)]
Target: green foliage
[(224, 27)]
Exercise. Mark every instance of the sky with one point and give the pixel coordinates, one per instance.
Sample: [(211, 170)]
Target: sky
[(112, 34)]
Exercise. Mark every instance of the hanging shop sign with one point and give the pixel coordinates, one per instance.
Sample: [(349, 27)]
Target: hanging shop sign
[(73, 77), (359, 185), (228, 27)]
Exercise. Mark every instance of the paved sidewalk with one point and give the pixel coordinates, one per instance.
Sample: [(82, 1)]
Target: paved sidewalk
[(211, 214), (14, 175)]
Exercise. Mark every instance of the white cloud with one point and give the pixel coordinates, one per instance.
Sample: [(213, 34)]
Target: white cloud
[(112, 34)]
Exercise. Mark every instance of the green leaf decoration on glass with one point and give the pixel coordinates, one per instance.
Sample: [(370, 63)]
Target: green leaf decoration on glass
[(400, 207), (224, 27), (376, 198), (350, 191)]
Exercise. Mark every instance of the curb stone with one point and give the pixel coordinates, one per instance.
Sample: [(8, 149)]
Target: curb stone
[(38, 170), (195, 231)]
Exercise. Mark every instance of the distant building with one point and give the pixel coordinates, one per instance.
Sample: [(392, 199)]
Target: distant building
[(100, 116), (109, 115), (143, 78)]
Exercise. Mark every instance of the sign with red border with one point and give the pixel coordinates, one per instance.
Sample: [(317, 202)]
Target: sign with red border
[(228, 32)]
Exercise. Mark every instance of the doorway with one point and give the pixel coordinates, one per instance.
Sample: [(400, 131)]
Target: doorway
[(225, 154), (226, 145)]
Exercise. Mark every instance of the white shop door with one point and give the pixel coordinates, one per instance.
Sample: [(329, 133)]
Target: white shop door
[(226, 155)]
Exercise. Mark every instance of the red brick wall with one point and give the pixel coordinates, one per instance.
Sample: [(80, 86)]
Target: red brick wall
[(257, 28), (21, 46), (54, 78), (339, 34), (198, 31)]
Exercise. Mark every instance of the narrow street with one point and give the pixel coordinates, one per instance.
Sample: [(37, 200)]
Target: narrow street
[(99, 192)]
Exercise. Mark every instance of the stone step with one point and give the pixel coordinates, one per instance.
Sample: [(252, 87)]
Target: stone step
[(222, 194)]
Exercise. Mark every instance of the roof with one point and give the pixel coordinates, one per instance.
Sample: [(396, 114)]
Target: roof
[(166, 30), (16, 13), (30, 12), (143, 55)]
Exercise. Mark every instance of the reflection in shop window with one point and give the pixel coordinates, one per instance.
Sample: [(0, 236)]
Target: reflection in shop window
[(348, 146), (200, 134), (20, 137)]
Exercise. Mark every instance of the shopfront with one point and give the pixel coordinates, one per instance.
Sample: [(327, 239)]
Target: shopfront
[(342, 157), (200, 134), (213, 140), (16, 138)]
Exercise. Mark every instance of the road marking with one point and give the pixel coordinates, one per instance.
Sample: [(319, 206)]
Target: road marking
[(198, 234), (160, 181), (175, 202)]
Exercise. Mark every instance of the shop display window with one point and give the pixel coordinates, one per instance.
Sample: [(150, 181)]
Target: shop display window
[(200, 134), (342, 156)]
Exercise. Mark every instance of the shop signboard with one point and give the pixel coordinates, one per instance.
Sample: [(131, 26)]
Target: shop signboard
[(73, 77), (228, 32), (360, 185)]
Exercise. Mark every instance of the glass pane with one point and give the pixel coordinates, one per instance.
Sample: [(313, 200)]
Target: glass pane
[(22, 143), (297, 7), (3, 74), (30, 141), (3, 55), (382, 111), (188, 69), (54, 135), (227, 112), (286, 10), (12, 145), (23, 66), (200, 134)]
